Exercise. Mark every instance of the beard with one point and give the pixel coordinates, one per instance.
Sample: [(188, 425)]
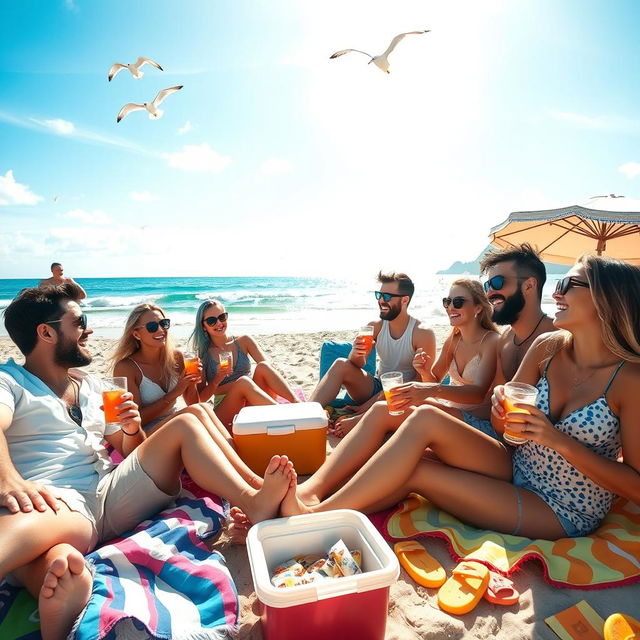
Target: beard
[(392, 314), (511, 309), (69, 354)]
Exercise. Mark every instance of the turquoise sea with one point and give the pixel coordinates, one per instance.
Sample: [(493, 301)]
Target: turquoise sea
[(256, 305)]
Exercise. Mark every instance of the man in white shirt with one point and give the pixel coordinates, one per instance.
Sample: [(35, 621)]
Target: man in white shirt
[(60, 494)]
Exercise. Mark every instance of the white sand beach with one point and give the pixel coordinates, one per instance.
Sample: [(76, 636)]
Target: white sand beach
[(413, 610)]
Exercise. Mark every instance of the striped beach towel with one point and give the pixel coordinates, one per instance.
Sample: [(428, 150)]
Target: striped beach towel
[(160, 581), (608, 557)]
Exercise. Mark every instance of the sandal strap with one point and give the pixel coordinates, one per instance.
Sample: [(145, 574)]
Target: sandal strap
[(464, 570)]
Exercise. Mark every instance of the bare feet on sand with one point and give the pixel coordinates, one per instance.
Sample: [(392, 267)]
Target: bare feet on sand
[(344, 424), (306, 495), (264, 503), (65, 591), (291, 504)]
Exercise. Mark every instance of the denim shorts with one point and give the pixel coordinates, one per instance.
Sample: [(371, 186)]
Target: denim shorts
[(481, 425), (569, 527)]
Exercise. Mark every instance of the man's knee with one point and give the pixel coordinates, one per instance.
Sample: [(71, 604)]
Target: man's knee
[(341, 368)]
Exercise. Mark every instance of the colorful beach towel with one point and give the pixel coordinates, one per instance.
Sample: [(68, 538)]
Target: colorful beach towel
[(608, 557), (160, 581)]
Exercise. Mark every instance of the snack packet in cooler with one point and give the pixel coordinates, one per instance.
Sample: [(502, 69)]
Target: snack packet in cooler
[(343, 559), (291, 567), (307, 560), (356, 554), (325, 567), (282, 580)]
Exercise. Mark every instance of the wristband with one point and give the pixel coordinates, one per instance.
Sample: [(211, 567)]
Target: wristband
[(135, 433)]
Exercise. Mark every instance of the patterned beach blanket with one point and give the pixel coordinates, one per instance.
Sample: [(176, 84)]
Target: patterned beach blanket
[(608, 557), (159, 581)]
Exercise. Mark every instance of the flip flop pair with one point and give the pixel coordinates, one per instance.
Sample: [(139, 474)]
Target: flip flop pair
[(619, 626)]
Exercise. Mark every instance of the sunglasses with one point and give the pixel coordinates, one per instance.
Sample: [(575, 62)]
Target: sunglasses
[(82, 321), (497, 282), (154, 325), (567, 282), (457, 302), (387, 296), (213, 320)]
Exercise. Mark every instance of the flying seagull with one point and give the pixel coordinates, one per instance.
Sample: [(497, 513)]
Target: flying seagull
[(134, 68), (380, 61), (151, 107)]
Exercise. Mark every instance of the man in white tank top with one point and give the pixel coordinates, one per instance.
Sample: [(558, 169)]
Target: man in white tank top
[(397, 336)]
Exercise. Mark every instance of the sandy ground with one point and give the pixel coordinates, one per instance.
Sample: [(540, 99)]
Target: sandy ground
[(413, 610)]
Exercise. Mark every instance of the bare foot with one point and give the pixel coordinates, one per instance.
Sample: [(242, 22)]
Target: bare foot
[(344, 424), (239, 526), (291, 505), (65, 592), (307, 496), (265, 502)]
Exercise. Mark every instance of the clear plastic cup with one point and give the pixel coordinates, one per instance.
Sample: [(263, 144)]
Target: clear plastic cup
[(191, 362), (366, 333), (225, 361), (112, 390), (517, 393), (390, 381)]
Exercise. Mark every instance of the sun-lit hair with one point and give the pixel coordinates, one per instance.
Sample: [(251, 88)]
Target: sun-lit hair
[(615, 289), (128, 345), (479, 297), (199, 340)]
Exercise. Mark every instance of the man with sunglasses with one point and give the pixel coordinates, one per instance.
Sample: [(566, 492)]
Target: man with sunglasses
[(514, 281), (60, 494), (397, 336)]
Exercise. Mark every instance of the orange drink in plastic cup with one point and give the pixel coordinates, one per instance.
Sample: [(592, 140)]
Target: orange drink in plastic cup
[(113, 388), (517, 393), (390, 381), (225, 361), (191, 362), (366, 334)]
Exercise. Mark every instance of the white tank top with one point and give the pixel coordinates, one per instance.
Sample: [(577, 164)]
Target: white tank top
[(396, 355)]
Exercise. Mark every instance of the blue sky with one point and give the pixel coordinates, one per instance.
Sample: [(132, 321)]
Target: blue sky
[(275, 160)]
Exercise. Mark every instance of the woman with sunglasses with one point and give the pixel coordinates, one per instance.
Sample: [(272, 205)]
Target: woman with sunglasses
[(232, 391), (561, 482)]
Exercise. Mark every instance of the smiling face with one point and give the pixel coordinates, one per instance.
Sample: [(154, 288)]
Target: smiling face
[(575, 307), (155, 339), (467, 312), (508, 301), (71, 348), (57, 271), (391, 310), (220, 327)]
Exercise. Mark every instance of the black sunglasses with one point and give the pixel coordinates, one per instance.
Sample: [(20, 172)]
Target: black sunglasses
[(497, 282), (83, 322), (567, 282), (213, 320), (458, 302), (154, 325), (387, 296)]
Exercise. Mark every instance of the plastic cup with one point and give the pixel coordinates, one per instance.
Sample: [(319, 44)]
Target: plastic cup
[(225, 361), (113, 388), (390, 381), (191, 362), (521, 393), (366, 333)]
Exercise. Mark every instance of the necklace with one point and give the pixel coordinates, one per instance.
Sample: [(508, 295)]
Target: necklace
[(75, 413), (519, 344)]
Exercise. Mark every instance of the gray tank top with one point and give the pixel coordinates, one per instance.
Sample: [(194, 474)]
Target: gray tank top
[(396, 355)]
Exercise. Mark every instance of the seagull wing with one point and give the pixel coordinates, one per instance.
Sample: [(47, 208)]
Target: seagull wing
[(337, 54), (397, 39), (164, 93), (128, 108), (115, 69), (142, 61)]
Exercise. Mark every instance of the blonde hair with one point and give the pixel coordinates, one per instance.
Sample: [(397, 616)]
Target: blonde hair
[(478, 296), (128, 345)]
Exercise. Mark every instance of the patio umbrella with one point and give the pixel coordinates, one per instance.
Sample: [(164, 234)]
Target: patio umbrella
[(605, 225)]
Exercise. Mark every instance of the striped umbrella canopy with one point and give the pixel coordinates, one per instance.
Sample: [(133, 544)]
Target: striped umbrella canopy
[(605, 225)]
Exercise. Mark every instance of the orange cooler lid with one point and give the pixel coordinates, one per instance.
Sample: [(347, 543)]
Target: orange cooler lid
[(279, 419)]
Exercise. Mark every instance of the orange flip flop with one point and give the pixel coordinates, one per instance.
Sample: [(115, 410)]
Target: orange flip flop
[(419, 564), (500, 590), (620, 626), (464, 589)]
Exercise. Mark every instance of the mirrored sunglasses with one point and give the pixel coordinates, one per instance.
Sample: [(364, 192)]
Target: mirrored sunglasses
[(213, 320), (387, 296)]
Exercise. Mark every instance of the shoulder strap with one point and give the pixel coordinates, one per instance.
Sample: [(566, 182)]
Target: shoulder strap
[(137, 365), (613, 376), (546, 366), (486, 333)]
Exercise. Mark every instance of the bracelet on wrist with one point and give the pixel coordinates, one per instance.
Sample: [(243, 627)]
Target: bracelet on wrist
[(135, 433)]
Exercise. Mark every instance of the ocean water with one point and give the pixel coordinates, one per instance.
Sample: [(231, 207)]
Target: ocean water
[(255, 305)]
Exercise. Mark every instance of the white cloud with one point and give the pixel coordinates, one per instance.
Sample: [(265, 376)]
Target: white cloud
[(12, 192), (185, 128), (630, 169), (95, 217), (598, 123), (59, 126), (275, 165), (143, 196), (197, 158)]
